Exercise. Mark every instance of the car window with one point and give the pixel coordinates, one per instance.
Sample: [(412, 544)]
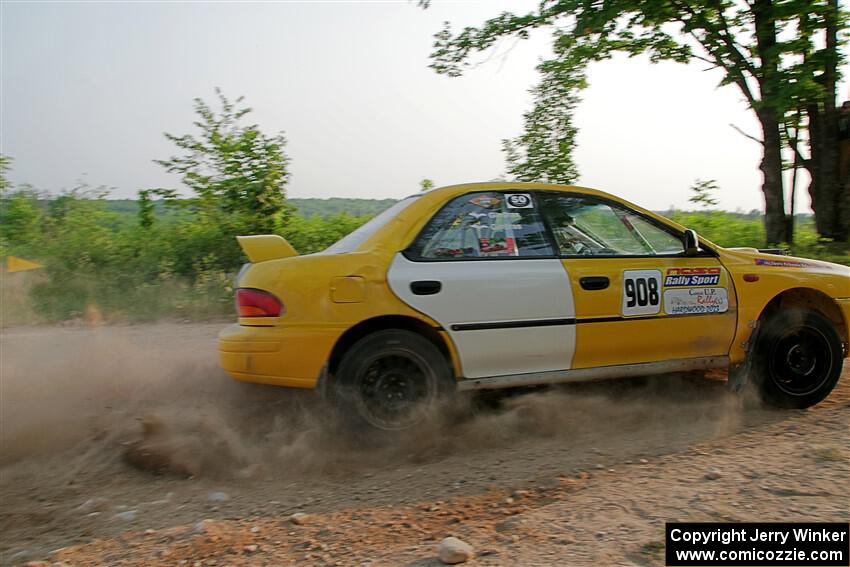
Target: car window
[(585, 226), (354, 239), (485, 225)]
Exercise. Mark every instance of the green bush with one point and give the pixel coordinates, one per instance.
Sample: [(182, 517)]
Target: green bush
[(731, 230), (315, 233), (105, 265), (724, 229)]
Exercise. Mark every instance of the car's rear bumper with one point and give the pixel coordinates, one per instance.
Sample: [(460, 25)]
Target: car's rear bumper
[(281, 356)]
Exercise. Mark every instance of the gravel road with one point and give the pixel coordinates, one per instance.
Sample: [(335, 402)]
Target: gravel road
[(585, 474)]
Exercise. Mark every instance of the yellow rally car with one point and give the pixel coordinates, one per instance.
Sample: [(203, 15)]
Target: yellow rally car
[(497, 285)]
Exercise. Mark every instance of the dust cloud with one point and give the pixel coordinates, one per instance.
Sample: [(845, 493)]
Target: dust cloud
[(153, 397), (88, 394)]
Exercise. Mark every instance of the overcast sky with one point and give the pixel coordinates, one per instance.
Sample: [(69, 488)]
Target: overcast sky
[(89, 88)]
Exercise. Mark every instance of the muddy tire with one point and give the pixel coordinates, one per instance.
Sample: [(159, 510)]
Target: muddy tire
[(798, 359), (389, 382)]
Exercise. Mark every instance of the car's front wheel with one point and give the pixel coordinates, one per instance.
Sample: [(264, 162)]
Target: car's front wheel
[(798, 359), (390, 381)]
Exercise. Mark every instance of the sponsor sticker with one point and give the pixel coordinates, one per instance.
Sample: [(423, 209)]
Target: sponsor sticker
[(485, 201), (504, 217), (686, 277), (497, 246), (448, 252), (519, 201), (783, 263), (695, 301)]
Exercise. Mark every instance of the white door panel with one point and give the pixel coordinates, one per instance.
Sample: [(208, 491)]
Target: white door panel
[(497, 352), (534, 294)]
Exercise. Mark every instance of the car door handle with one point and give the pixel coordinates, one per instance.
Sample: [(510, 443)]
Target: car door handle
[(593, 283), (426, 287)]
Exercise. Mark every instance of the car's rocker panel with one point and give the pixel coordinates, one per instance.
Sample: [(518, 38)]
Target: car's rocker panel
[(590, 374)]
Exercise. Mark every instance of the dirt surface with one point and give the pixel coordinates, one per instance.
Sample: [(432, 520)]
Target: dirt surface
[(586, 474)]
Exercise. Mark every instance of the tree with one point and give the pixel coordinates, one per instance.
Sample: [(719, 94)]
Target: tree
[(544, 151), (426, 184), (5, 167), (20, 217), (146, 208), (745, 40), (235, 171), (814, 99), (20, 214)]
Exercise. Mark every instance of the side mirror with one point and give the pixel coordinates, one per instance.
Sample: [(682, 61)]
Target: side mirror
[(691, 242)]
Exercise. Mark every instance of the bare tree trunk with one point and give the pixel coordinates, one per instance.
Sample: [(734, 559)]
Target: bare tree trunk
[(775, 219), (789, 227), (829, 193)]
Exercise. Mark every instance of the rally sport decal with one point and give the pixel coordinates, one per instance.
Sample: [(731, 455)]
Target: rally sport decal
[(686, 277)]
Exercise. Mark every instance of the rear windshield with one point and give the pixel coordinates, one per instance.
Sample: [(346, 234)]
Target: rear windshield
[(353, 240)]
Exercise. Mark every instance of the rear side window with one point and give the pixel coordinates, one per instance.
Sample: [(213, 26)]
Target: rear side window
[(484, 225), (353, 240)]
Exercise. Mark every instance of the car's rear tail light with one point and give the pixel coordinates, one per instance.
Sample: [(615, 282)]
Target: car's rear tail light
[(256, 303)]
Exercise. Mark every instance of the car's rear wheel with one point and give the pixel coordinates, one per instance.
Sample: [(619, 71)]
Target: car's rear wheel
[(798, 359), (390, 382)]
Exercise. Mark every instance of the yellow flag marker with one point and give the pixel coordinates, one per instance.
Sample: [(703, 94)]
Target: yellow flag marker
[(15, 264)]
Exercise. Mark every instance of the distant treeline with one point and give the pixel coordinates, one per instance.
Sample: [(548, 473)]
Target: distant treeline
[(370, 207), (305, 207)]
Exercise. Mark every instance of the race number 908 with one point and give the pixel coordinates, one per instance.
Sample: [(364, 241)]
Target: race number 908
[(641, 292)]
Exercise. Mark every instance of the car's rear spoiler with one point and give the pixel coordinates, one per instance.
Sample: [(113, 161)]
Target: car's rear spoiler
[(264, 247)]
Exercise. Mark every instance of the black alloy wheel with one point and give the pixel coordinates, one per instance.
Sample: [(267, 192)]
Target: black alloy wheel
[(390, 381), (798, 358), (391, 389)]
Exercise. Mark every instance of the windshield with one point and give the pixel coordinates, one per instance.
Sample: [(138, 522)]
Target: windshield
[(352, 241)]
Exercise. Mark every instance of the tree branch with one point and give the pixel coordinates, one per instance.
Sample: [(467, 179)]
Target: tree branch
[(731, 46), (715, 50), (741, 132), (705, 60), (793, 143)]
